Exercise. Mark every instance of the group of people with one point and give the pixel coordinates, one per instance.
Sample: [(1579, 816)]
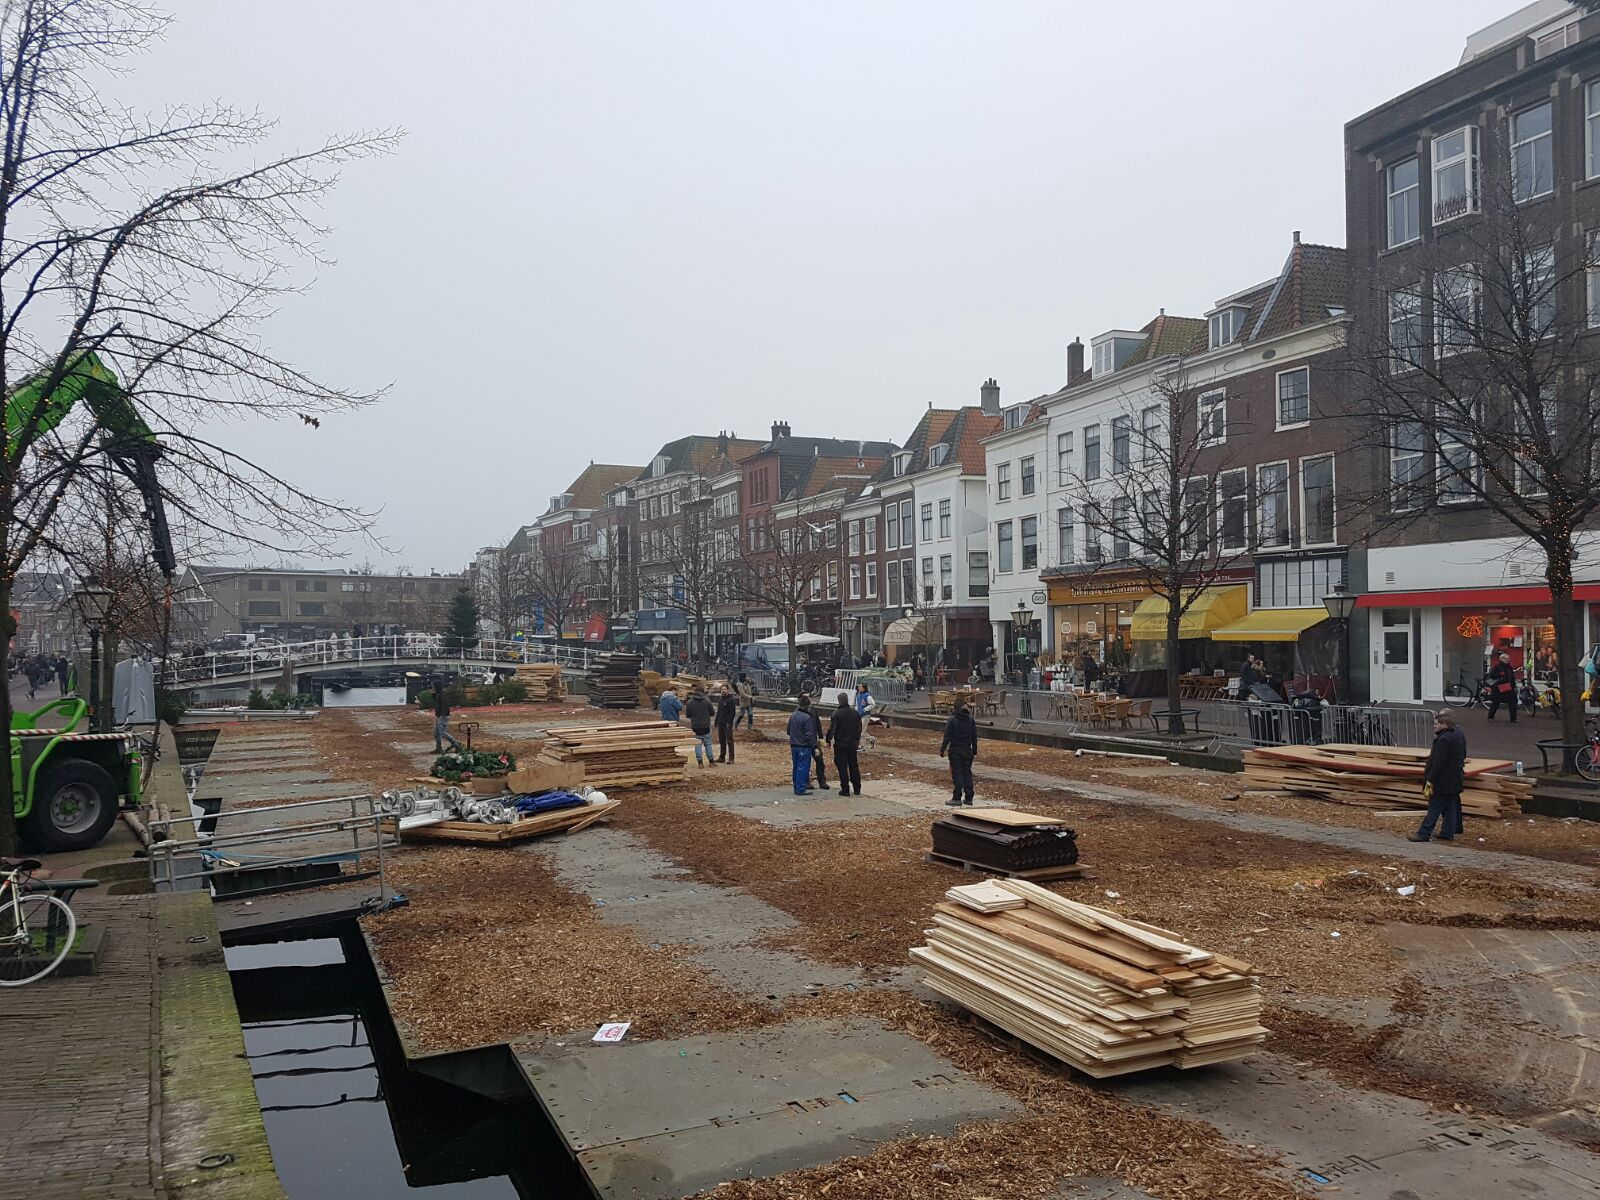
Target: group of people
[(39, 670), (846, 724), (735, 702)]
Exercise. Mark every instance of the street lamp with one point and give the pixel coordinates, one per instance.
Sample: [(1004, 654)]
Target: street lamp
[(92, 604), (847, 628), (1341, 606)]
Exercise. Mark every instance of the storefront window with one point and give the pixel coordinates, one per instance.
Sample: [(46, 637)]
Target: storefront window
[(1471, 635)]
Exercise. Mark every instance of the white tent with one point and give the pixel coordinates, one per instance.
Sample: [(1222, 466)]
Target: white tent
[(800, 639)]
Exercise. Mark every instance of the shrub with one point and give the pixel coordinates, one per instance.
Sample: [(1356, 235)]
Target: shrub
[(456, 764), (170, 706)]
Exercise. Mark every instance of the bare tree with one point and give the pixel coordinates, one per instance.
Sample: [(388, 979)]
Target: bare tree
[(554, 577), (698, 569), (1480, 393), (1156, 514), (133, 271), (790, 553)]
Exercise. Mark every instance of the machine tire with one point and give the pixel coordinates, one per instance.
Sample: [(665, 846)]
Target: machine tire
[(92, 795)]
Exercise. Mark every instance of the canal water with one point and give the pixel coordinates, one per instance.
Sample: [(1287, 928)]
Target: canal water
[(344, 1115)]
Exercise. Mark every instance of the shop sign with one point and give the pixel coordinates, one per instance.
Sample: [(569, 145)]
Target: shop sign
[(1100, 587), (1091, 628), (1066, 629), (1040, 596), (1022, 645), (1470, 627)]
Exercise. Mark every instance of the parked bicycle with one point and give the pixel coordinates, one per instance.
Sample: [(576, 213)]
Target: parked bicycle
[(37, 929), (1460, 695), (1587, 759)]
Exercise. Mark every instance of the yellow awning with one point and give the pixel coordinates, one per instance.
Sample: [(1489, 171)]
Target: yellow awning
[(1213, 608), (1271, 625)]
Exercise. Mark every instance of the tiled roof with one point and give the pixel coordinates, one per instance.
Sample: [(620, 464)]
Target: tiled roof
[(967, 434), (1166, 336), (1311, 284), (704, 454), (821, 474), (589, 489)]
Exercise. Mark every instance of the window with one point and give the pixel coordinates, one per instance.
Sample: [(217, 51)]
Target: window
[(1105, 358), (855, 581), (255, 585), (1316, 500), (1195, 519), (1405, 330), (1150, 433), (1539, 284), (908, 583), (1457, 303), (939, 453), (1121, 443), (1030, 543), (1225, 326), (1002, 481), (1405, 202), (977, 574), (1592, 126), (1538, 444), (319, 585), (891, 528), (872, 536), (1272, 501), (644, 510), (1003, 547), (816, 586), (347, 587), (311, 608), (1121, 515), (274, 585), (905, 525), (947, 578), (1064, 555), (1458, 474), (872, 581), (927, 522), (1294, 397), (1407, 462), (302, 585), (1532, 153), (1091, 535), (833, 581), (927, 581), (1091, 452), (1455, 174), (264, 608), (1213, 418), (853, 538), (1297, 583), (1064, 456), (891, 585), (1025, 469), (1233, 510), (944, 518)]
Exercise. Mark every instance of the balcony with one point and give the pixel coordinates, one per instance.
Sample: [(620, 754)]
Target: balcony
[(1451, 207)]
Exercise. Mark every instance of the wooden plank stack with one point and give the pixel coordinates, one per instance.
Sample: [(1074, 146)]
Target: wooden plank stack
[(621, 756), (543, 681), (613, 680), (1103, 993), (565, 820), (1386, 777), (1004, 840)]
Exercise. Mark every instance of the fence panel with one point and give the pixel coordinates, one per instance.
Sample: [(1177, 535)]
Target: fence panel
[(1251, 723)]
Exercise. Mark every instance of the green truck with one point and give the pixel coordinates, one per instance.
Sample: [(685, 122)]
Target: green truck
[(67, 786)]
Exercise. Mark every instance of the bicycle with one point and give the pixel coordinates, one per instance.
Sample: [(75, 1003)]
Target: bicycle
[(1459, 695), (1587, 759), (37, 929)]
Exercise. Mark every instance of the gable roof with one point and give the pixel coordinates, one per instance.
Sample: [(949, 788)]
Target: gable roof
[(1308, 289), (1166, 336), (702, 454), (822, 474), (966, 436), (589, 489)]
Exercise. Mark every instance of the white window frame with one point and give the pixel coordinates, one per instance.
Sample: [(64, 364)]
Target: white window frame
[(1149, 431), (1066, 547), (1284, 496), (1105, 358), (1413, 319), (1516, 144), (1542, 259), (891, 585), (1093, 545), (1441, 322), (1446, 439), (1063, 458), (1095, 430), (927, 521), (872, 581), (855, 581), (947, 578), (1277, 390), (977, 574), (1469, 157), (1333, 491), (1527, 482), (891, 531), (1005, 547), (1022, 544), (1121, 516), (1222, 508), (1002, 481), (1417, 459), (853, 538), (928, 584), (1027, 477), (1122, 430), (1209, 407), (944, 519), (870, 532), (1408, 195), (1591, 129)]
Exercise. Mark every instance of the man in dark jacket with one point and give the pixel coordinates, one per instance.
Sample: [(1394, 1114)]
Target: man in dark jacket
[(699, 711), (802, 731), (727, 718), (63, 669), (441, 719), (1090, 669), (1443, 779), (1503, 687), (844, 735), (960, 743)]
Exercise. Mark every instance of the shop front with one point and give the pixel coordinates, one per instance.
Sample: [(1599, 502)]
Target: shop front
[(1207, 611), (1298, 648), (1094, 616)]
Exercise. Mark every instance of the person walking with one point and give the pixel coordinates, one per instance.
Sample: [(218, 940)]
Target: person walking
[(1503, 687), (671, 706), (1089, 669), (802, 732), (1248, 675), (747, 702), (1442, 780), (727, 718), (960, 745), (441, 719), (63, 669), (844, 735), (700, 714)]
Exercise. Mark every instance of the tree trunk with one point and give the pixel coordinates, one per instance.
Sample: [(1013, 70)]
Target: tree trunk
[(1174, 705), (1569, 649), (8, 812), (794, 663)]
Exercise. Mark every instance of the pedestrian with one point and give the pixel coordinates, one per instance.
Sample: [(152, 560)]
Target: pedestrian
[(441, 719), (802, 744), (671, 706), (727, 718), (747, 702), (1089, 669), (816, 758), (700, 714), (844, 735), (1247, 676), (1442, 780), (63, 669), (960, 745), (1503, 687), (32, 672)]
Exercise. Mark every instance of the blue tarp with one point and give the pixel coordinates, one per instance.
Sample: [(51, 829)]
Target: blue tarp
[(547, 802)]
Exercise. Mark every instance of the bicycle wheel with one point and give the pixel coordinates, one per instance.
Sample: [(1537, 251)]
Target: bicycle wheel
[(1586, 763), (1458, 695), (35, 936)]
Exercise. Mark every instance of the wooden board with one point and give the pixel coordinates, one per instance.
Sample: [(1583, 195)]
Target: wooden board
[(561, 821), (1037, 875), (1007, 816)]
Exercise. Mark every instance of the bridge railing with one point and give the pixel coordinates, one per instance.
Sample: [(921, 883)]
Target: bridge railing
[(264, 660)]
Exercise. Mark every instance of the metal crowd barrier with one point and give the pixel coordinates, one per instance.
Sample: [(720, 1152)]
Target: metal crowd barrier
[(1252, 723)]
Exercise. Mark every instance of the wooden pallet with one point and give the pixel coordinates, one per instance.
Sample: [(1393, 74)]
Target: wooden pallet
[(565, 820), (1037, 875)]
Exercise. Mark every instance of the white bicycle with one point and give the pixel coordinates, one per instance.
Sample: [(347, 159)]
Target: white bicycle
[(37, 929)]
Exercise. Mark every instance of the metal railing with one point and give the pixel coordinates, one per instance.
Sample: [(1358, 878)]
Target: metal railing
[(1251, 723), (223, 665), (885, 689)]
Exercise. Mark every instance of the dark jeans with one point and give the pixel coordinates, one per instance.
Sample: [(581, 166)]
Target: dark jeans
[(822, 767), (748, 714), (724, 743), (1442, 808), (849, 769), (1509, 699), (960, 777)]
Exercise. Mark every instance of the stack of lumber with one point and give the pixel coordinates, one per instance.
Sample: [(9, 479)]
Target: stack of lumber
[(1006, 841), (619, 756), (1379, 777), (1103, 993), (613, 680), (564, 820), (543, 681)]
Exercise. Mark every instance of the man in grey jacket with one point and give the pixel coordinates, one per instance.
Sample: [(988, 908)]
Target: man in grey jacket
[(802, 730)]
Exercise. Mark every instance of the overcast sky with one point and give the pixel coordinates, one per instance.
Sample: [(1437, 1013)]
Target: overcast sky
[(612, 224)]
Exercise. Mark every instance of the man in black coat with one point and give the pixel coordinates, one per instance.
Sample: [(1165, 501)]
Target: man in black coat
[(727, 717), (844, 735), (960, 744), (1442, 780)]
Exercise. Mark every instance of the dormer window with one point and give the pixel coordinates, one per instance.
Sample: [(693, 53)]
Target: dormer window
[(1227, 324), (939, 455), (1015, 415), (902, 462), (658, 467), (1113, 349), (1105, 360)]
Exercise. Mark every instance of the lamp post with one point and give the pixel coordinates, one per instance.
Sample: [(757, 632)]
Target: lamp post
[(1021, 620), (847, 628), (92, 603), (1341, 606)]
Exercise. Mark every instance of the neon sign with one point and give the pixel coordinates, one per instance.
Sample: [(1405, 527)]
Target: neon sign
[(1470, 627)]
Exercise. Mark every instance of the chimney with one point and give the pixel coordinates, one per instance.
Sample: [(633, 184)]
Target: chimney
[(989, 396), (780, 430), (1074, 361)]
